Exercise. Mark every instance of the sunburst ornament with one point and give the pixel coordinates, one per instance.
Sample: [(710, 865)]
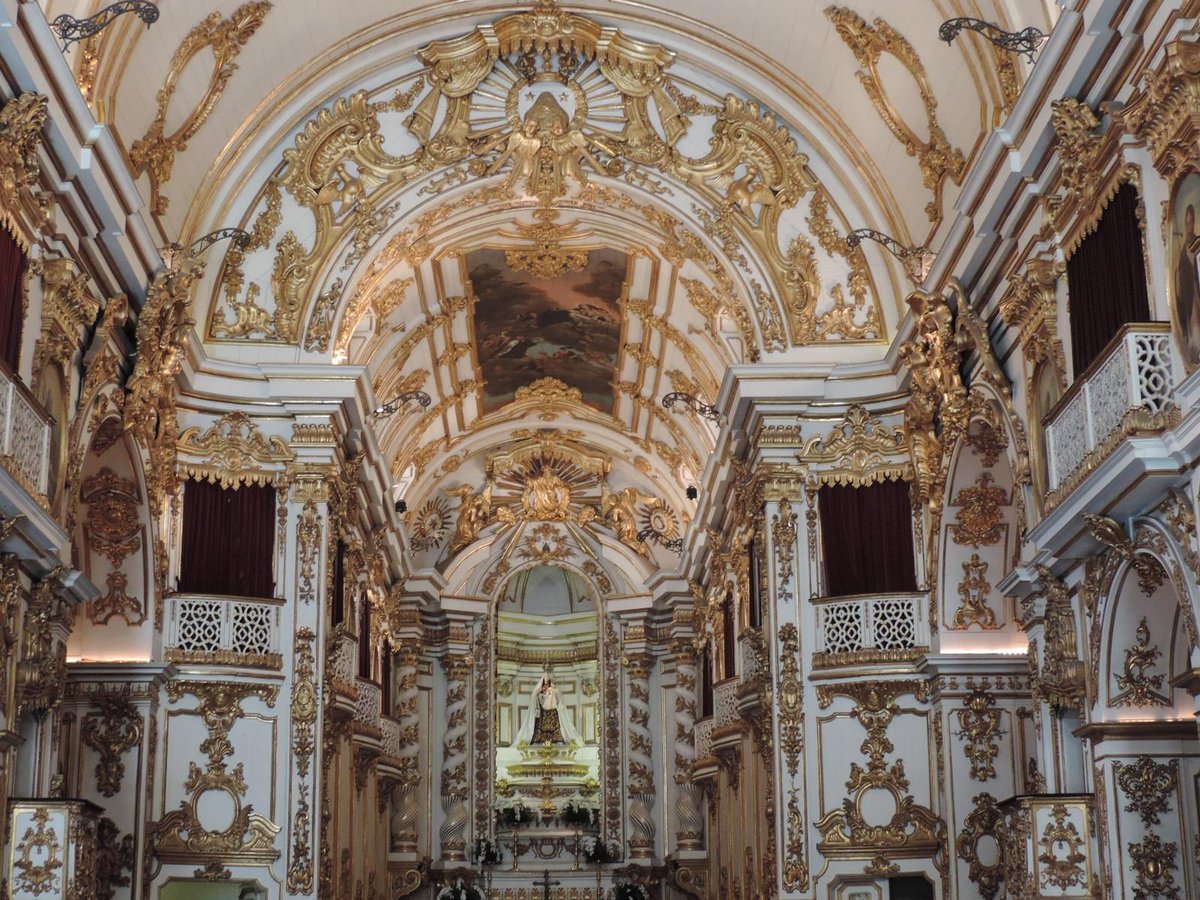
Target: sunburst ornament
[(660, 521), (430, 524)]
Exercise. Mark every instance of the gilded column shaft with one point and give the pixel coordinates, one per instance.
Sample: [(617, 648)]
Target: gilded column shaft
[(641, 775), (689, 816), (405, 807), (454, 761)]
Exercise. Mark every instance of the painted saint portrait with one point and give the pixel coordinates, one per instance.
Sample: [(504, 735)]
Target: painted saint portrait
[(566, 327), (1183, 256)]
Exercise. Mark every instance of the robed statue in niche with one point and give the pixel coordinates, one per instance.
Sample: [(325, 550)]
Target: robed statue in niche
[(548, 722)]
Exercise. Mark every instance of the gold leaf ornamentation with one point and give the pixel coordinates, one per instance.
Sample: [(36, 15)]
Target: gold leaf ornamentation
[(1148, 785), (979, 519), (154, 153)]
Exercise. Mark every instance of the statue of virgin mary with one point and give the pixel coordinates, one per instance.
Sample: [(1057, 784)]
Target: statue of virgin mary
[(547, 722)]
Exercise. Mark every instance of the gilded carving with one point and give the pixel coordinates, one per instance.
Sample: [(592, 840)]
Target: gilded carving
[(162, 333), (1061, 679), (1074, 126), (973, 592), (1137, 686), (912, 828), (249, 837), (67, 307), (154, 153), (115, 859), (430, 524), (858, 451), (233, 451), (783, 538), (24, 209), (305, 704), (39, 857), (979, 726), (112, 520), (113, 727), (1152, 861), (981, 822), (1148, 785), (938, 160), (1060, 851), (978, 518), (42, 670)]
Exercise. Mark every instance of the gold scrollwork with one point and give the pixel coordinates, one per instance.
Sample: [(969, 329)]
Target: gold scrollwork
[(913, 830), (857, 451), (154, 153), (1061, 853), (113, 727), (938, 160), (1137, 686), (1149, 785), (981, 822), (250, 837), (233, 451), (38, 857), (980, 725), (304, 719), (973, 592), (978, 518), (1153, 860)]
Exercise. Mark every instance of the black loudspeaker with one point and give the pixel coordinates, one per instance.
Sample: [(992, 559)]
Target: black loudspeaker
[(692, 493), (401, 506)]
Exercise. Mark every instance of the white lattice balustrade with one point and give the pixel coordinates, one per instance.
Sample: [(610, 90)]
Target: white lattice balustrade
[(1129, 386), (703, 732), (342, 664), (391, 736), (725, 710), (223, 630), (368, 708), (24, 437), (876, 622)]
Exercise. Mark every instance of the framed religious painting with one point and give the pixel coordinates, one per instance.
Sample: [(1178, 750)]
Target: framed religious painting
[(1183, 261)]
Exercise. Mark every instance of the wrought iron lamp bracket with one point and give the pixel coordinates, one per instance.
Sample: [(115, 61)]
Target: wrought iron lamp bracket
[(697, 405), (1026, 41), (72, 30), (393, 406)]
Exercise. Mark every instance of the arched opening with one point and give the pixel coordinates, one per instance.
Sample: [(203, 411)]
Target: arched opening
[(548, 705)]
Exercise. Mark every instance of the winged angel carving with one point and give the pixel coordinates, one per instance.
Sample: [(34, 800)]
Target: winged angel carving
[(549, 99)]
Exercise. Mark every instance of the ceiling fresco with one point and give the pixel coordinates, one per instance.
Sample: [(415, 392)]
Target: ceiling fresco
[(566, 327)]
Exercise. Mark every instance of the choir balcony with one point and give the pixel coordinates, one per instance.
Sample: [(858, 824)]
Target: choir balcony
[(1128, 392), (867, 629), (25, 432), (341, 672), (204, 629)]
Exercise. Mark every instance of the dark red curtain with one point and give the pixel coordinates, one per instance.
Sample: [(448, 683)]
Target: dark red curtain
[(706, 683), (228, 540), (866, 535), (12, 270), (385, 679), (337, 605), (754, 612), (730, 636), (1106, 280), (364, 639)]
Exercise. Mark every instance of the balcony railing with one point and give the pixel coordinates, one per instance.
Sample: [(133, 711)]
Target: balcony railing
[(24, 437), (703, 732), (368, 708), (1128, 389), (341, 665), (391, 736), (871, 628), (237, 631), (725, 706)]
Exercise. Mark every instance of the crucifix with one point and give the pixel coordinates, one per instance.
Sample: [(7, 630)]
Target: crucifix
[(545, 884)]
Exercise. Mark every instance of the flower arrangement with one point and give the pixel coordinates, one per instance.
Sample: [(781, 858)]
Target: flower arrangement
[(627, 890), (515, 814), (577, 814), (486, 853), (459, 891), (596, 851)]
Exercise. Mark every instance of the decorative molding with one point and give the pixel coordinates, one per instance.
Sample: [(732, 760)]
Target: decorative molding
[(978, 518), (154, 153), (973, 592), (113, 727), (1148, 785), (233, 452), (979, 726), (984, 821), (858, 451)]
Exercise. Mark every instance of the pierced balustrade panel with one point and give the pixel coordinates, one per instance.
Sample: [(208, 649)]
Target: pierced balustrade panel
[(342, 663), (24, 438), (223, 631), (703, 732), (871, 628), (368, 708), (1129, 390), (725, 709), (391, 736)]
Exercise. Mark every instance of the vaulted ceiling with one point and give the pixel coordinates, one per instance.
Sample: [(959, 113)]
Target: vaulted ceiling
[(549, 217)]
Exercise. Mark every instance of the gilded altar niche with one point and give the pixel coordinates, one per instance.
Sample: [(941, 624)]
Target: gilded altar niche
[(528, 99)]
